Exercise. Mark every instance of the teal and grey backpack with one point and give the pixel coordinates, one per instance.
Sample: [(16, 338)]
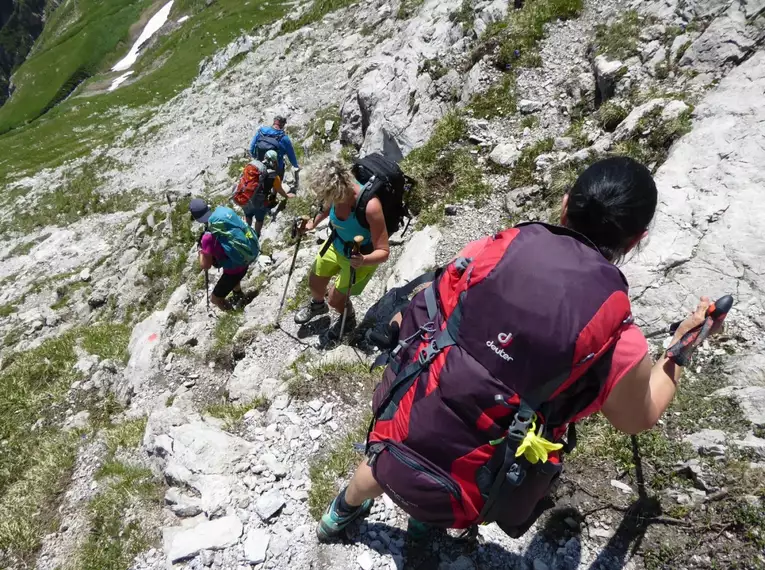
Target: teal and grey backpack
[(237, 238)]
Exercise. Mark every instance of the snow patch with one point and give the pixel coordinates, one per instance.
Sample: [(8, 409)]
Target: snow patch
[(155, 23), (181, 20), (120, 80)]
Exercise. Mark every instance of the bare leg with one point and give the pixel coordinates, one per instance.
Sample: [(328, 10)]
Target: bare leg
[(318, 286), (337, 300), (222, 304), (362, 486)]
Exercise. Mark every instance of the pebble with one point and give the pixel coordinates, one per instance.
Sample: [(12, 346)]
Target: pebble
[(365, 561), (623, 487), (292, 432), (269, 504)]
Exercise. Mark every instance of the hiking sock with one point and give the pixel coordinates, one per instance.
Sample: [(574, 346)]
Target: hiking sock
[(342, 508)]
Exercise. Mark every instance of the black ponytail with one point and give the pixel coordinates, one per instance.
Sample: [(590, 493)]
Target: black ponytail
[(612, 203)]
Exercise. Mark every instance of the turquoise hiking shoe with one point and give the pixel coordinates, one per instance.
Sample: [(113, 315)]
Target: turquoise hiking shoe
[(416, 530), (332, 524)]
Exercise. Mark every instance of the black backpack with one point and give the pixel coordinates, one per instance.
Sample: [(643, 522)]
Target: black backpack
[(383, 178)]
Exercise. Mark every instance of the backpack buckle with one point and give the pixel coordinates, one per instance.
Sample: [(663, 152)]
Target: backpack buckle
[(462, 263), (516, 474), (522, 421), (429, 353)]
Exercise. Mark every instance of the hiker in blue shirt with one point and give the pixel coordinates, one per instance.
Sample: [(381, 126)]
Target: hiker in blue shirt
[(274, 138)]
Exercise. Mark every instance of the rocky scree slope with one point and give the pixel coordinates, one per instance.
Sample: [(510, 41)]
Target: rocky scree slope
[(248, 442)]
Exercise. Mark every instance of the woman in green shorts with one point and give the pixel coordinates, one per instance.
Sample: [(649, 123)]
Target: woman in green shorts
[(339, 192)]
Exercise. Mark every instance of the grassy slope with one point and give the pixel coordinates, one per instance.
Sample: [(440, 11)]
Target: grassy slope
[(78, 49), (77, 125)]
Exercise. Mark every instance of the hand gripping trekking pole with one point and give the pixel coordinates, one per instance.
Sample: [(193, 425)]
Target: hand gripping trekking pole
[(297, 232), (356, 245), (682, 351)]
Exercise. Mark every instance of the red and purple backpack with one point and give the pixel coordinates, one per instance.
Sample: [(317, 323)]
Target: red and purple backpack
[(520, 333)]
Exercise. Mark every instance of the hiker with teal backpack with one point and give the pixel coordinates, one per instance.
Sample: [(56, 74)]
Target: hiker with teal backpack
[(227, 243), (522, 335)]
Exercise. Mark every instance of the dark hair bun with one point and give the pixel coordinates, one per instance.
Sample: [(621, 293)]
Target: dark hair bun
[(612, 203)]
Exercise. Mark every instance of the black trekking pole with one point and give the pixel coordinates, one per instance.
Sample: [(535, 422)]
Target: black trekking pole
[(207, 290), (356, 245), (296, 232)]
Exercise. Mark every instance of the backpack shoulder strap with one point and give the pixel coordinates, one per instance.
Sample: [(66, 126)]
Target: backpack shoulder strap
[(365, 195)]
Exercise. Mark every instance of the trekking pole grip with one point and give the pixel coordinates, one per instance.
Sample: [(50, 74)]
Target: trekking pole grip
[(682, 351)]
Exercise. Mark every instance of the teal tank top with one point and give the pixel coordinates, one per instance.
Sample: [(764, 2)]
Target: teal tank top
[(347, 230)]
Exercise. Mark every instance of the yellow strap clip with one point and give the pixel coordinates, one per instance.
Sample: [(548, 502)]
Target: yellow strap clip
[(534, 447)]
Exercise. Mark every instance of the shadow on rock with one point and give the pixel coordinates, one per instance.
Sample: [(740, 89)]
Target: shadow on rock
[(314, 328), (439, 550)]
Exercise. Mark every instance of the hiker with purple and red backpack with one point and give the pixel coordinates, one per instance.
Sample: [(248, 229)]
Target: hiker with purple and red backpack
[(525, 333)]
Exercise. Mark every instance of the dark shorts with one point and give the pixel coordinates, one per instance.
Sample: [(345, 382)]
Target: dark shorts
[(257, 208), (226, 283)]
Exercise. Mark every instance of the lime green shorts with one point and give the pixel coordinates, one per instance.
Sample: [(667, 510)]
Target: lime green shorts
[(334, 263)]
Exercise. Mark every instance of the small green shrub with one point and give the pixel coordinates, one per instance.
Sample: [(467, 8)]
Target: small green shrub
[(221, 351), (267, 247), (76, 197), (465, 15), (610, 115), (233, 413), (301, 297), (317, 11), (576, 132), (7, 309), (339, 377), (115, 539), (529, 121), (619, 40), (652, 149), (107, 340), (165, 267), (338, 463), (499, 100), (526, 166), (236, 167), (524, 28), (408, 8), (128, 435), (434, 68), (444, 171)]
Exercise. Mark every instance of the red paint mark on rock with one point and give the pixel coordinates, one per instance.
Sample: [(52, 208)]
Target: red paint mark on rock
[(153, 337)]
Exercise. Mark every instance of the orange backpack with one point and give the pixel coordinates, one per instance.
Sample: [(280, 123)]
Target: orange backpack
[(250, 182)]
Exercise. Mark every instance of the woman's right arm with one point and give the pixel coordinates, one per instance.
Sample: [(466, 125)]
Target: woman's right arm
[(640, 398), (317, 220)]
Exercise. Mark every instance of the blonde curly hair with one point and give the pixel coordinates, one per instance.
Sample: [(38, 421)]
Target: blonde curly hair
[(333, 182)]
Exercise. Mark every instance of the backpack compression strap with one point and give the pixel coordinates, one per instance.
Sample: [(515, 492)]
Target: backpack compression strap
[(445, 338)]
